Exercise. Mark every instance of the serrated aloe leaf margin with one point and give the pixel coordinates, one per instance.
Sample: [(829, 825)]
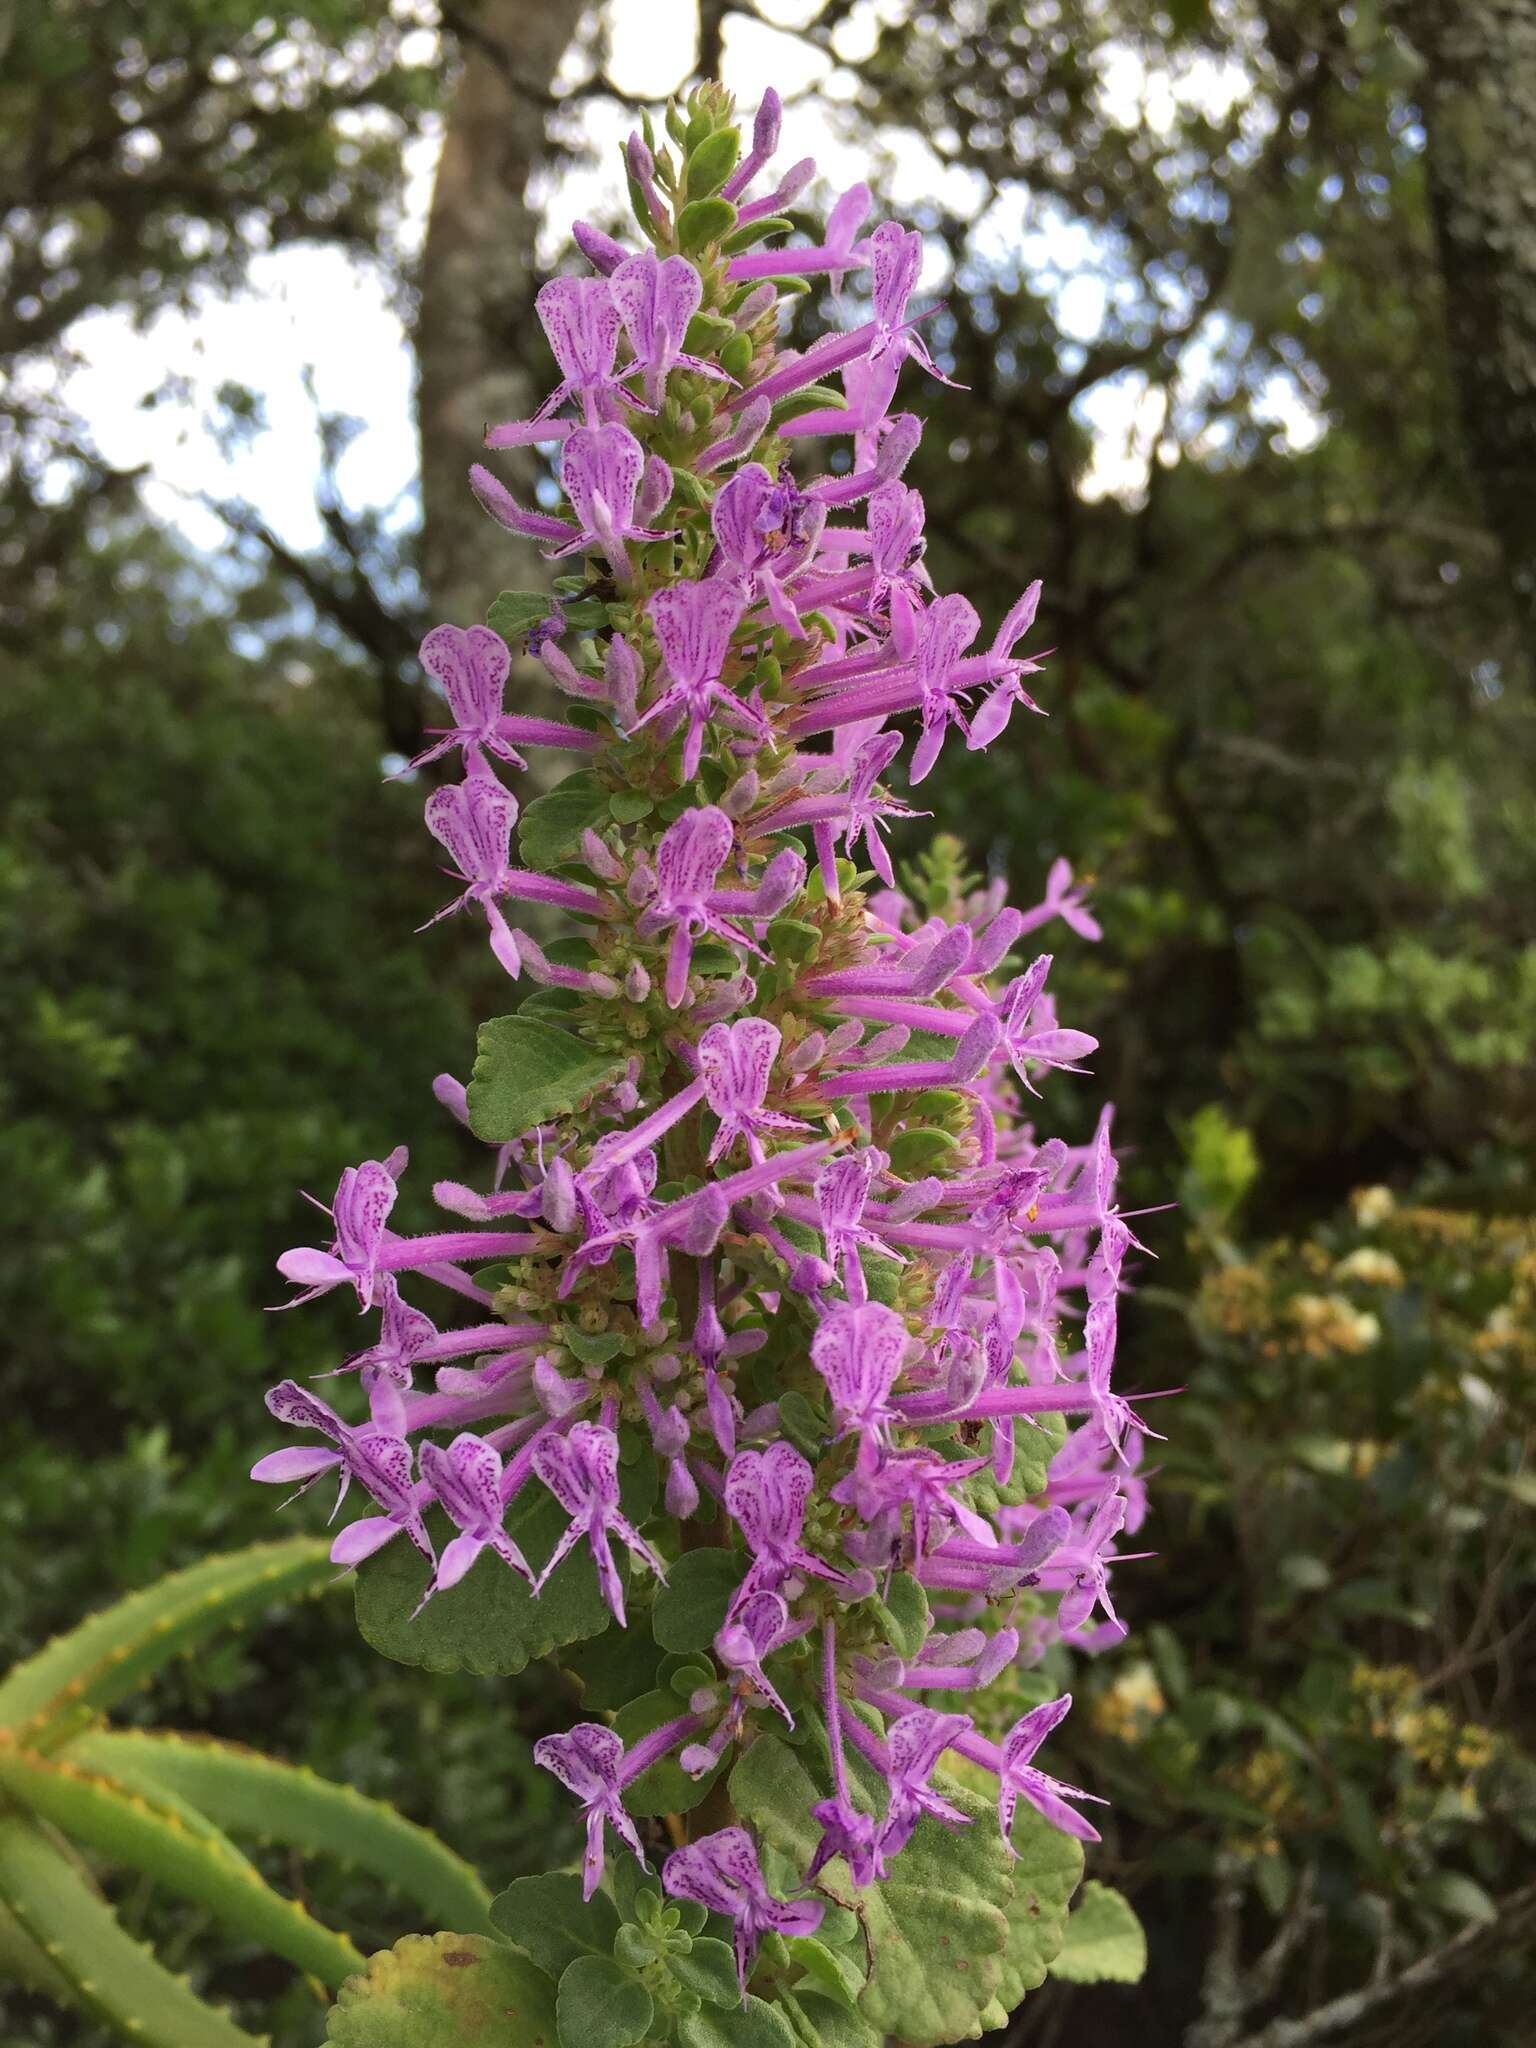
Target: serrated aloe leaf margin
[(153, 1835), (114, 1652), (109, 1974), (257, 1796)]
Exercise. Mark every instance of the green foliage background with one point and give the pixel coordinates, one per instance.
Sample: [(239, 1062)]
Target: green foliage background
[(1291, 737)]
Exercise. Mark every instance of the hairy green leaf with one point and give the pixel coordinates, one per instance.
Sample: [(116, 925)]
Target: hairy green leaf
[(1049, 1867), (528, 1072), (753, 2025), (936, 1929), (490, 1622), (602, 2005), (550, 1921), (690, 1607), (550, 828), (708, 1971), (446, 1991), (703, 221), (1105, 1942)]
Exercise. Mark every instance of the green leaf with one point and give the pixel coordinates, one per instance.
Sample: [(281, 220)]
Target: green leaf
[(628, 806), (446, 1991), (813, 398), (665, 1787), (529, 1072), (550, 828), (549, 1920), (116, 1651), (703, 221), (753, 2025), (706, 333), (259, 1796), (1105, 1942), (757, 231), (924, 1150), (792, 938), (712, 163), (157, 1835), (820, 2022), (936, 1930), (1046, 1874), (490, 1622), (903, 1614), (611, 1668), (110, 1976), (836, 1975), (602, 2005), (690, 1607), (708, 1970), (591, 1347), (514, 611)]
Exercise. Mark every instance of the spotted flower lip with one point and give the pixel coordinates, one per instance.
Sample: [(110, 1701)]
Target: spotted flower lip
[(764, 1264)]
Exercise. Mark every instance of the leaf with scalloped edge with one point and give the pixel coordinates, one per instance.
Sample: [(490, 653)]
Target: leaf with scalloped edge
[(1105, 1942), (114, 1652), (1046, 1875), (445, 1991), (936, 1929), (109, 1975), (259, 1796), (490, 1622), (155, 1833)]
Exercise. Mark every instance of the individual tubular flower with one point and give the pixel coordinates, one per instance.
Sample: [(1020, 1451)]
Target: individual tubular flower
[(588, 1761), (736, 1064), (581, 1469), (656, 300), (467, 1481), (694, 623), (1018, 1777), (721, 1873), (365, 1195)]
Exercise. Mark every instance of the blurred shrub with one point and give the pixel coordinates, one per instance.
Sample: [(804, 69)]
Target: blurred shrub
[(1331, 1733)]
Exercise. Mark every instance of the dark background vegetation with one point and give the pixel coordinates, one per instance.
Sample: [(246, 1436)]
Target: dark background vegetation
[(1291, 738)]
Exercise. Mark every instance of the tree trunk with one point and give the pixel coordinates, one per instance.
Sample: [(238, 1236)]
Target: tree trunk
[(477, 283), (1478, 97)]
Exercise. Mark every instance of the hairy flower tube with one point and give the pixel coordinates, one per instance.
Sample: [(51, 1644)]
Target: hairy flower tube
[(770, 1268)]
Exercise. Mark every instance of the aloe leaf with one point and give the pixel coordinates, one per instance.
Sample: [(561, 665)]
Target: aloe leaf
[(108, 1974), (151, 1833), (116, 1651), (23, 1962), (258, 1796)]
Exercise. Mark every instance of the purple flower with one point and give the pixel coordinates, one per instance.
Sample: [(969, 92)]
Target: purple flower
[(467, 1480), (991, 720), (580, 316), (587, 1761), (721, 1873), (897, 256), (859, 1351), (694, 623), (582, 1471), (736, 1063), (1018, 1777), (692, 851), (840, 252), (914, 1744), (474, 820), (364, 1197), (766, 1494), (380, 1463), (767, 531), (1046, 1046), (602, 469), (1086, 1560), (842, 1194), (947, 630), (656, 300), (758, 1626)]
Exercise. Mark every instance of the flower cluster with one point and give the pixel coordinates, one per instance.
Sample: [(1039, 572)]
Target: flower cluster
[(789, 1231)]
